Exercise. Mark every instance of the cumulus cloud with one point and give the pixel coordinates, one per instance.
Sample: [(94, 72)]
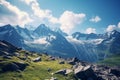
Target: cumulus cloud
[(54, 20), (119, 25), (69, 20), (28, 2), (42, 14), (15, 17), (95, 19), (39, 12), (113, 27), (11, 14), (90, 30)]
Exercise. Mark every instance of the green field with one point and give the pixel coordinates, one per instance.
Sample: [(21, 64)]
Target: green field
[(111, 61), (35, 70)]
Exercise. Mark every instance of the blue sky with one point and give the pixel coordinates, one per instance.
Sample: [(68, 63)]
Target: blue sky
[(88, 16)]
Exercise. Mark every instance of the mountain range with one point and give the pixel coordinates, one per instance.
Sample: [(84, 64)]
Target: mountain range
[(19, 64), (88, 47)]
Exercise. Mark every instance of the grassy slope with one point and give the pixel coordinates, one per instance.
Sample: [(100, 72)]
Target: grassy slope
[(35, 70), (111, 61)]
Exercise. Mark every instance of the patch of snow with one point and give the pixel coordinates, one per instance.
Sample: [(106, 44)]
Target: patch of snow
[(71, 39), (52, 37), (10, 32), (95, 41), (76, 35), (38, 41)]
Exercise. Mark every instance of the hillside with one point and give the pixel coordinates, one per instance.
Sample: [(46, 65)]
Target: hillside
[(18, 64), (111, 61), (34, 70), (24, 65)]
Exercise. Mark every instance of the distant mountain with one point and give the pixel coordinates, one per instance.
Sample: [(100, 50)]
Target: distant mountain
[(51, 41), (42, 39), (24, 32), (42, 30), (115, 45), (83, 36), (103, 45), (111, 44), (79, 36), (8, 33), (58, 30), (89, 47)]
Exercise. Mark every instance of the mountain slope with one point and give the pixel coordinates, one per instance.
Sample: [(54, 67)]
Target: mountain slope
[(110, 45), (10, 65), (24, 32), (83, 36), (52, 42), (8, 33), (89, 47), (103, 45), (42, 30), (113, 60), (27, 65)]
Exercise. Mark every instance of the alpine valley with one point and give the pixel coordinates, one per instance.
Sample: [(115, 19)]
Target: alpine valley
[(87, 47)]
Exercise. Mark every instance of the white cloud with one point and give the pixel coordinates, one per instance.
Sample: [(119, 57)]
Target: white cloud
[(113, 27), (90, 30), (16, 16), (119, 25), (38, 11), (69, 20), (53, 20), (2, 24), (95, 19), (28, 2)]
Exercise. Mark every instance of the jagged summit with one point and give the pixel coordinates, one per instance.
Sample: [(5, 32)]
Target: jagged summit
[(58, 30), (42, 30), (6, 27), (88, 47), (8, 33)]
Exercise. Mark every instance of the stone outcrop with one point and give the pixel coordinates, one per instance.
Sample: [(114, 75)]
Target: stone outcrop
[(14, 66), (38, 59), (85, 73), (63, 71)]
